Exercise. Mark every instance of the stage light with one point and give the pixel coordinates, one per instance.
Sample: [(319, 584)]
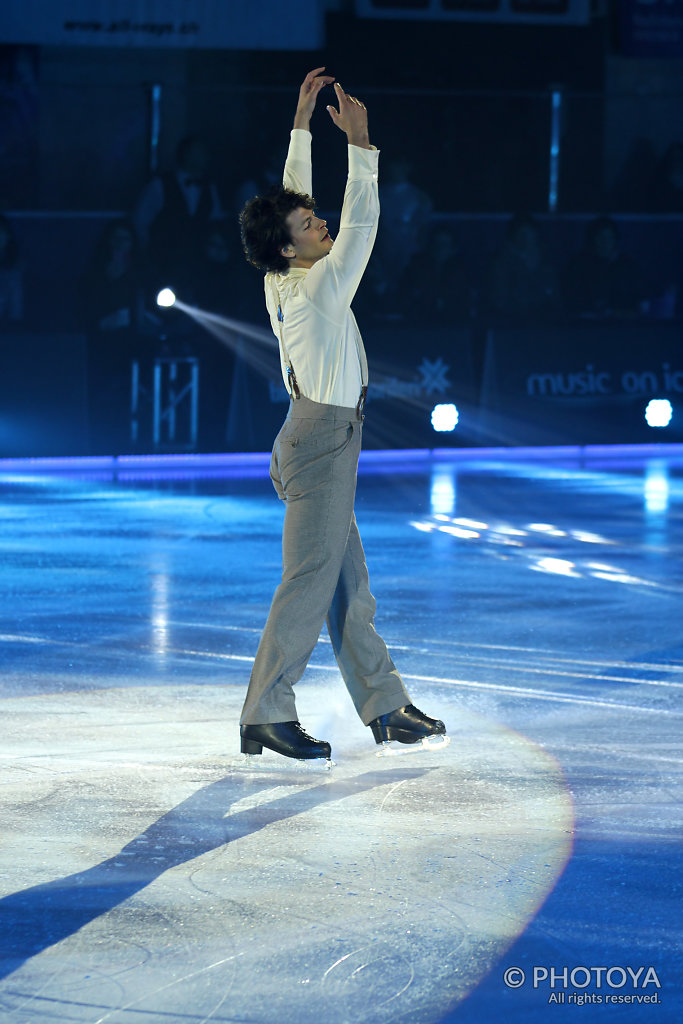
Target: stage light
[(444, 418), (658, 412), (166, 297)]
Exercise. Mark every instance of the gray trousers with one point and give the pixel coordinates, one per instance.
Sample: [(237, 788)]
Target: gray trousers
[(324, 577)]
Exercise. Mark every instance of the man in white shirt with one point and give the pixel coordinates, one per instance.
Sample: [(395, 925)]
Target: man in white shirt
[(310, 282)]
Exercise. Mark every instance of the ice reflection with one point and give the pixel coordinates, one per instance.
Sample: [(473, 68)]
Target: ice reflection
[(160, 587), (551, 531), (586, 537), (558, 566), (457, 531), (656, 490), (442, 491), (619, 576), (526, 541)]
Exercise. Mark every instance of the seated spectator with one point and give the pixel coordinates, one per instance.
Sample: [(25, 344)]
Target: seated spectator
[(403, 226), (172, 214), (601, 280), (522, 284), (269, 174), (406, 210), (113, 296), (113, 310), (224, 284), (632, 188), (436, 286), (218, 264), (11, 274), (668, 190)]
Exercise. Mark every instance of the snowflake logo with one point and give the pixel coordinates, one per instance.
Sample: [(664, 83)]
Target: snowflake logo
[(434, 376)]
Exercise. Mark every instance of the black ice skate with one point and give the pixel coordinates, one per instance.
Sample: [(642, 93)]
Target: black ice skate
[(408, 729), (286, 738)]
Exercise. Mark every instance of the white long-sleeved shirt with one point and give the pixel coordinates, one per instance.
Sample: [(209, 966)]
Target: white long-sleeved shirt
[(319, 335)]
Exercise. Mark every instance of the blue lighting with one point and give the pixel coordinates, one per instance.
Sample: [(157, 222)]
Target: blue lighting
[(658, 412), (555, 144), (444, 418), (239, 462)]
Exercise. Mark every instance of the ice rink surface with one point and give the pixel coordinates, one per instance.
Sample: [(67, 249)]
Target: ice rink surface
[(529, 872)]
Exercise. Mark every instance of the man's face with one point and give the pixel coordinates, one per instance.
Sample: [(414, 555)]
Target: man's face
[(310, 238)]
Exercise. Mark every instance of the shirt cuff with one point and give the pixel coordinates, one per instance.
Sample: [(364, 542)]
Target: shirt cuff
[(363, 163), (300, 142)]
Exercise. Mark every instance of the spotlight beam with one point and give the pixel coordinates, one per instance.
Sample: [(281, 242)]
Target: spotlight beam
[(235, 335), (240, 327)]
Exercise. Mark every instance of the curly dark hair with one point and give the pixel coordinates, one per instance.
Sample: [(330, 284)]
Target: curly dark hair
[(263, 224)]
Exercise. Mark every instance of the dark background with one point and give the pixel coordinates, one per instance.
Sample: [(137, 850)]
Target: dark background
[(467, 103)]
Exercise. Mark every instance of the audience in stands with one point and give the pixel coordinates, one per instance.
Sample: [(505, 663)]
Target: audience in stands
[(113, 285), (406, 210), (667, 193), (224, 288), (403, 228), (521, 285), (268, 174), (11, 274), (172, 214), (113, 304), (602, 280), (436, 287), (225, 284)]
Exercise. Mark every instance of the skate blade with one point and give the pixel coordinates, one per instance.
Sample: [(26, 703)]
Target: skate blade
[(298, 766), (395, 749)]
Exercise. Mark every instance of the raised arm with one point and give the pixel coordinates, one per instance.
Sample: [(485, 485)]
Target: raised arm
[(332, 282), (298, 175)]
